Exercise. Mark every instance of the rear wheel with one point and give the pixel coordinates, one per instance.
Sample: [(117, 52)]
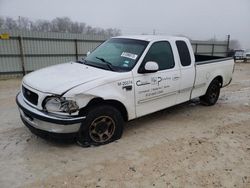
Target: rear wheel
[(212, 94), (103, 124)]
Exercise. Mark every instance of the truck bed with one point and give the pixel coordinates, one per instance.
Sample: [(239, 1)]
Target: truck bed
[(205, 59), (208, 67)]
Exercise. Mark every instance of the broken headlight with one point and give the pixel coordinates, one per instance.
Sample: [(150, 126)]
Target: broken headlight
[(56, 104)]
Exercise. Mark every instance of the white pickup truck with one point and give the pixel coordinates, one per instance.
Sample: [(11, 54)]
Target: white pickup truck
[(122, 79)]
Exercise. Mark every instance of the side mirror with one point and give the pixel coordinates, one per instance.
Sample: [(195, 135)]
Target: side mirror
[(150, 67), (88, 53)]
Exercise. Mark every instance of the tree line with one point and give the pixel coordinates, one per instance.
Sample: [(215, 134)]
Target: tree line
[(60, 24)]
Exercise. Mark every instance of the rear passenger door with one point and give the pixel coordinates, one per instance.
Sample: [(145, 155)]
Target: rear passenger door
[(187, 71), (156, 91)]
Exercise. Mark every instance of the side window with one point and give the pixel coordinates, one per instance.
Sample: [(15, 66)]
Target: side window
[(183, 53), (161, 52)]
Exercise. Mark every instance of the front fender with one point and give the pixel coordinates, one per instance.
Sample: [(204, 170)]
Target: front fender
[(117, 93), (111, 90)]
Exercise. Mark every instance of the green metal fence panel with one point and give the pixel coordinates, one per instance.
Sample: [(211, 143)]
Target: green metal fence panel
[(26, 51)]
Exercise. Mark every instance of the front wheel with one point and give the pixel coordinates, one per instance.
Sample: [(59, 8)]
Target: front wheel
[(212, 94), (103, 124)]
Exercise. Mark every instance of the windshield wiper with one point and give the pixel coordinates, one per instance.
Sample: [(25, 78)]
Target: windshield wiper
[(83, 61), (110, 66)]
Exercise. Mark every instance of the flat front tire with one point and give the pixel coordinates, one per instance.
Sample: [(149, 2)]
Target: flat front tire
[(212, 93), (103, 124)]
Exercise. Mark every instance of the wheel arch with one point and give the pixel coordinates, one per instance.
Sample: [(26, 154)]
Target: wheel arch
[(209, 98), (219, 78), (99, 101)]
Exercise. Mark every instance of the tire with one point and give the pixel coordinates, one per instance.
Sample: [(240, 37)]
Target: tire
[(103, 124), (212, 93)]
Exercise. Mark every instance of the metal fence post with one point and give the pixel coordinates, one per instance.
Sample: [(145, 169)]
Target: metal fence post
[(213, 49), (76, 49), (228, 43), (196, 48), (20, 40)]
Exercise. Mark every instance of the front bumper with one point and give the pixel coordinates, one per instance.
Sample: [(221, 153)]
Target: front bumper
[(46, 122)]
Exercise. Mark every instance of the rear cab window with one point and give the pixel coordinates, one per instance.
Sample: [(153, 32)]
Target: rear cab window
[(184, 53)]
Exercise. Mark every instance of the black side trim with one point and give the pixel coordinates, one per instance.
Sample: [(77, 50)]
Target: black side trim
[(213, 61)]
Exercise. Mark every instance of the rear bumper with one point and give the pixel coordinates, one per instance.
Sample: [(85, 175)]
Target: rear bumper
[(43, 121), (228, 83), (238, 58)]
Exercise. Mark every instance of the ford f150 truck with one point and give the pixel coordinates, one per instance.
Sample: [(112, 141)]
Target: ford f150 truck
[(122, 79)]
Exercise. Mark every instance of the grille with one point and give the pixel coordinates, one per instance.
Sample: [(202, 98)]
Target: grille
[(30, 95)]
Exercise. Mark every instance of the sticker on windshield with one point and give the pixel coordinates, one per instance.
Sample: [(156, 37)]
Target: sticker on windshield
[(129, 55)]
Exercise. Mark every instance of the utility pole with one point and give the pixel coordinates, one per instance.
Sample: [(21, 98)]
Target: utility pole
[(154, 32), (19, 22), (228, 43)]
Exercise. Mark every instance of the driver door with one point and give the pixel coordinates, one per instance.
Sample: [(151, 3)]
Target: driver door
[(158, 90)]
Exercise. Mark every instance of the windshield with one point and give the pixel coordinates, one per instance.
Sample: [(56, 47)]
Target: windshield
[(117, 54)]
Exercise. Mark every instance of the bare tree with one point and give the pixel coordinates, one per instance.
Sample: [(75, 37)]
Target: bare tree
[(1, 22), (23, 23), (10, 23), (41, 25), (89, 30), (63, 24), (82, 27), (234, 44), (113, 32), (77, 27), (116, 32)]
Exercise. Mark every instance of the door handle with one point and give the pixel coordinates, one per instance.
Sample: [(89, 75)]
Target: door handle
[(127, 88)]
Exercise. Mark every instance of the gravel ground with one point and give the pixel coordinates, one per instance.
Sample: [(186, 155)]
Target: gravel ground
[(189, 145)]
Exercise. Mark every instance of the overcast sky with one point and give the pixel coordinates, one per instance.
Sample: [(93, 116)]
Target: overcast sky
[(198, 19)]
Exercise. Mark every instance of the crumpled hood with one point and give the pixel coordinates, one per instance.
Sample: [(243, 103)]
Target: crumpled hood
[(60, 78)]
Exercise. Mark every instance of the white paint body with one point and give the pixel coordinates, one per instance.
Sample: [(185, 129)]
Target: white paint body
[(83, 83)]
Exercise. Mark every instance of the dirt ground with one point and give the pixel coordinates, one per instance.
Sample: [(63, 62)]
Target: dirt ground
[(189, 145)]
